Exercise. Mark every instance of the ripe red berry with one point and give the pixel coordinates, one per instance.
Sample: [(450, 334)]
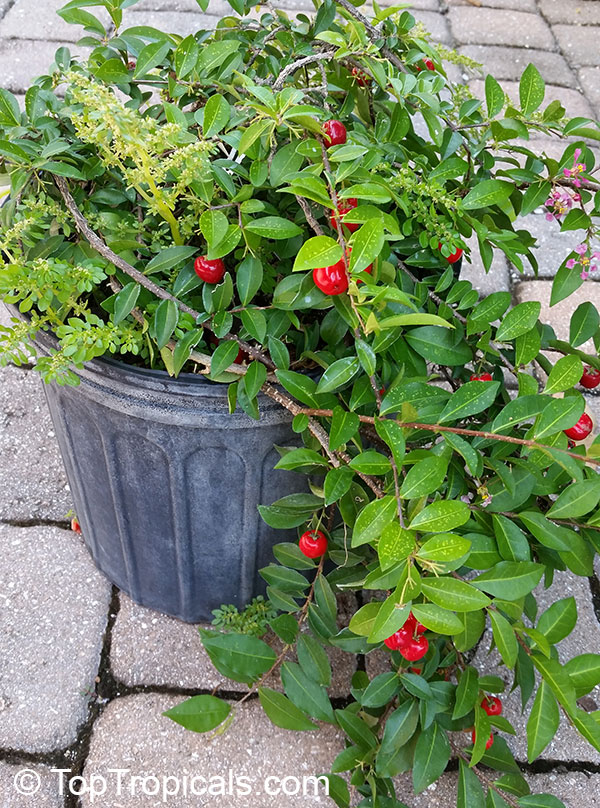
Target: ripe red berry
[(209, 271), (362, 79), (334, 132), (331, 280), (415, 649), (416, 670), (456, 256), (492, 705), (313, 543), (582, 428), (590, 378), (429, 64), (131, 64), (75, 526), (397, 640), (483, 377), (413, 626), (345, 207), (489, 741)]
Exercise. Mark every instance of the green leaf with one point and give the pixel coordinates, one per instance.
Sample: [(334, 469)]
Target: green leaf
[(470, 399), (437, 619), (169, 258), (165, 321), (534, 196), (576, 500), (306, 694), (273, 227), (584, 323), (487, 193), (338, 374), (369, 191), (287, 580), (452, 593), (470, 792), (367, 244), (422, 318), (510, 580), (543, 722), (214, 54), (512, 542), (223, 357), (399, 729), (424, 477), (125, 302), (519, 320), (444, 547), (575, 219), (540, 801), (344, 426), (395, 545), (186, 57), (217, 113), (371, 461), (372, 520), (467, 693), (557, 677), (337, 483), (214, 227), (527, 346), (200, 713), (391, 432), (494, 96), (545, 531), (112, 71), (584, 672), (438, 345), (240, 657), (286, 161), (150, 56), (566, 373), (356, 729), (505, 639), (432, 754), (441, 517), (363, 620), (316, 252), (249, 277), (558, 415), (531, 89), (313, 659), (253, 133), (559, 620), (566, 281), (285, 627), (390, 618), (10, 112), (282, 712), (380, 690), (255, 377)]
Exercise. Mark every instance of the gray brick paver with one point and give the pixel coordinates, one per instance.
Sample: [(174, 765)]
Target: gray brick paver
[(514, 5), (31, 19), (589, 79), (579, 43), (47, 797), (23, 60), (504, 62), (53, 611), (571, 11), (490, 26)]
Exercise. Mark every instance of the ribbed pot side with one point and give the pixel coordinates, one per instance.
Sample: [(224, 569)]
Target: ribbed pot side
[(166, 484)]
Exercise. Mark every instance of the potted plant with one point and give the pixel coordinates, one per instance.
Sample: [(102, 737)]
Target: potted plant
[(254, 206)]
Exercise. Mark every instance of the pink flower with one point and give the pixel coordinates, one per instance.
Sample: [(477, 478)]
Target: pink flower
[(549, 217), (571, 263), (576, 154), (581, 249), (584, 275), (576, 197), (567, 172)]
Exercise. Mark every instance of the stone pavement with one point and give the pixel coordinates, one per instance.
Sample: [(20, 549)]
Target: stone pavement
[(85, 673)]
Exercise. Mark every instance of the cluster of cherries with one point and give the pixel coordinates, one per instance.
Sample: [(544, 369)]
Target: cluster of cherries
[(313, 543), (409, 640)]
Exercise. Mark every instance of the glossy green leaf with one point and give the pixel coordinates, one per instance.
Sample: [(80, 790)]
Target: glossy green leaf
[(338, 374), (424, 477), (531, 89), (471, 398), (372, 520), (518, 320), (432, 754), (282, 712), (319, 251), (441, 517), (452, 593), (199, 713), (566, 373), (510, 580)]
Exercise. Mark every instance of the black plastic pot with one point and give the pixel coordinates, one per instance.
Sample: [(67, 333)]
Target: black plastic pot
[(166, 484)]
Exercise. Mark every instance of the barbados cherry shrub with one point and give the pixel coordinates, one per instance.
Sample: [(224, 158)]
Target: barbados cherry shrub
[(283, 205)]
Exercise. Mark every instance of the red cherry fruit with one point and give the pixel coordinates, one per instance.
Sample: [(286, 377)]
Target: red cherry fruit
[(75, 526), (343, 209), (489, 742), (456, 256), (362, 78), (335, 133), (331, 280), (590, 378), (483, 377), (413, 626), (492, 705), (415, 649), (209, 271), (416, 670), (582, 428), (571, 444), (313, 543), (429, 64)]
